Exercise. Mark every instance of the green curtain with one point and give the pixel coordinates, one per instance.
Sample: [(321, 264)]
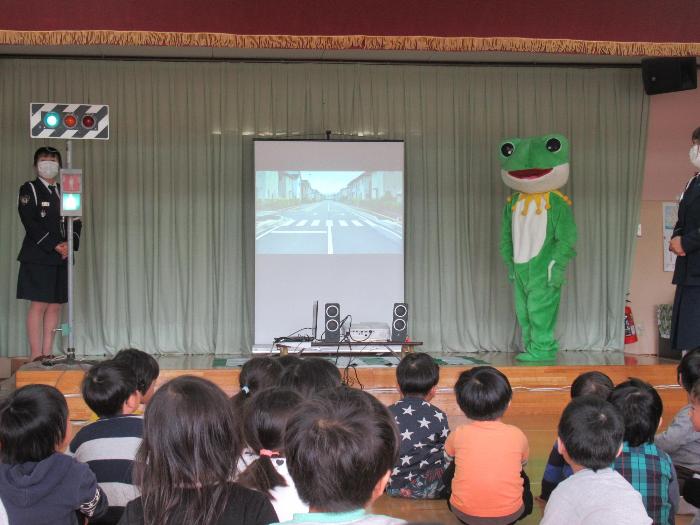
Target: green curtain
[(167, 254)]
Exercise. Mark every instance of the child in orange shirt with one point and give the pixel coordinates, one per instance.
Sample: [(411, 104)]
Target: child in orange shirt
[(489, 485)]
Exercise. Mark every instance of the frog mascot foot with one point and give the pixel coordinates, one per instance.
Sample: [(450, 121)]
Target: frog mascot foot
[(538, 236), (542, 357)]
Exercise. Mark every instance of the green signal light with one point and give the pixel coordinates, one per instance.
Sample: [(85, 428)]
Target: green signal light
[(51, 119), (71, 201)]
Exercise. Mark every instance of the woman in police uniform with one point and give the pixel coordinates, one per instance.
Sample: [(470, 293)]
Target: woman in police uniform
[(43, 270)]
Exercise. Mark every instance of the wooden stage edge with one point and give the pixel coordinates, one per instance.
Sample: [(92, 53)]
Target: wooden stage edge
[(538, 390)]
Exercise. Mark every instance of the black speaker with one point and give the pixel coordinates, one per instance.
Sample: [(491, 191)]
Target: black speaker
[(666, 75), (332, 314), (399, 325)]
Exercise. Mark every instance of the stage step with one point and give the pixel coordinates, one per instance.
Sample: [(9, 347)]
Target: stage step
[(537, 389)]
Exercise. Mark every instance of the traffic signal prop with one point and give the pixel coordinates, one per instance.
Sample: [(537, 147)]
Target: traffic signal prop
[(50, 120)]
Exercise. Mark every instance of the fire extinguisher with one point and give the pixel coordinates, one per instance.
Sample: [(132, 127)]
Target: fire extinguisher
[(630, 329)]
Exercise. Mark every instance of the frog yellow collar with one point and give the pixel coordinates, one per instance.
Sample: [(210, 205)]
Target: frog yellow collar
[(539, 199)]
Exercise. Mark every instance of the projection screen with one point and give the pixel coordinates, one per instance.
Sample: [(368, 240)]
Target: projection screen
[(329, 221)]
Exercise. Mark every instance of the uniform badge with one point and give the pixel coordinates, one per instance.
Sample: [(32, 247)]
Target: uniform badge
[(24, 199), (45, 204), (43, 213)]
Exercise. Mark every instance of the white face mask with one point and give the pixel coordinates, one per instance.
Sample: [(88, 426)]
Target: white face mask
[(695, 155), (47, 169)]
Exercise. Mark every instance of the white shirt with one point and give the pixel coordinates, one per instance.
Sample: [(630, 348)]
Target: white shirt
[(285, 500), (595, 498)]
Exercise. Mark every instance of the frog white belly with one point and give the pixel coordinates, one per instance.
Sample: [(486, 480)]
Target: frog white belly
[(529, 232)]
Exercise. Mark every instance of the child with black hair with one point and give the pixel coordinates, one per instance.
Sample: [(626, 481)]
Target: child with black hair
[(590, 438), (264, 421), (145, 369), (288, 360), (423, 428), (256, 375), (557, 469), (187, 461), (38, 484), (109, 445), (341, 446), (311, 375), (680, 440), (489, 485), (648, 469)]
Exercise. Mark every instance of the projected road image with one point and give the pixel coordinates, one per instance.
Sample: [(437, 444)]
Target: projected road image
[(330, 213)]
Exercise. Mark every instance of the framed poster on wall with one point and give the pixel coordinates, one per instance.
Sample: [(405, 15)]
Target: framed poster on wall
[(670, 216)]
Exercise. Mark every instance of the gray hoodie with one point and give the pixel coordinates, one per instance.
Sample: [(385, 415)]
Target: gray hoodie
[(49, 492), (680, 441)]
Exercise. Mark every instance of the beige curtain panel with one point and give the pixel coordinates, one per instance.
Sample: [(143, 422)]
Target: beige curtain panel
[(167, 253)]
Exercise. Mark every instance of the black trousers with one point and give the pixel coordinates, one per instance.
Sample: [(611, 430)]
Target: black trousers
[(691, 491)]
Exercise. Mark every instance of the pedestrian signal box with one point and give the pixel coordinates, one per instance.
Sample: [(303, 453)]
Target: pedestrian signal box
[(71, 193)]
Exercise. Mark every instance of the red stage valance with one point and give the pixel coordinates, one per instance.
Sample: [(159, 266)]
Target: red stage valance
[(597, 27)]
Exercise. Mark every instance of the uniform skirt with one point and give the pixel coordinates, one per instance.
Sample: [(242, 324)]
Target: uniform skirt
[(43, 283), (685, 323)]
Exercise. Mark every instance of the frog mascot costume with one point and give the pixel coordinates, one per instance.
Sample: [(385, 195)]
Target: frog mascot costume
[(538, 236)]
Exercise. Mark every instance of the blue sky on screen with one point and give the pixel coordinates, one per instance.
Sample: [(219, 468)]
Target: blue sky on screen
[(329, 182)]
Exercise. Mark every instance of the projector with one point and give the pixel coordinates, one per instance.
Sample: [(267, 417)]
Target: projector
[(370, 332)]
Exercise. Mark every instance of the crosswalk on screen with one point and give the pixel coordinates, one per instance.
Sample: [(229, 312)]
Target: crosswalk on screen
[(326, 212), (329, 211)]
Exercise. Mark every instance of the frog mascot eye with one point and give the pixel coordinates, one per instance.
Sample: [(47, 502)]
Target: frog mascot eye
[(538, 235), (507, 149), (553, 145)]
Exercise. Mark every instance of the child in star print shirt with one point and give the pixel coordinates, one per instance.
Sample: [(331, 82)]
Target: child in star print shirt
[(423, 430)]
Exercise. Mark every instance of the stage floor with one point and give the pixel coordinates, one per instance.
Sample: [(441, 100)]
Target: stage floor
[(539, 389), (363, 360)]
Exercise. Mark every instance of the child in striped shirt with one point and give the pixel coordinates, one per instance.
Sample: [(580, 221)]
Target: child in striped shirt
[(109, 444)]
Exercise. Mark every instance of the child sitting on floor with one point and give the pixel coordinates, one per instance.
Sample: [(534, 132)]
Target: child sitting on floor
[(423, 429), (257, 374), (680, 440), (109, 445), (590, 438), (691, 488), (489, 485), (39, 484), (648, 469), (310, 375), (341, 446), (557, 469), (187, 462), (145, 369), (264, 421)]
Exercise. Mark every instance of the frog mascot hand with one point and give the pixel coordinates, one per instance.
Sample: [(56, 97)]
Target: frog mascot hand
[(538, 236)]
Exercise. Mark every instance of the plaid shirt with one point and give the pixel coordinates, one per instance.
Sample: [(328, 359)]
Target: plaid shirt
[(650, 471)]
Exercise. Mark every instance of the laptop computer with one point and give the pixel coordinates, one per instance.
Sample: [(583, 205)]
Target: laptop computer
[(304, 338)]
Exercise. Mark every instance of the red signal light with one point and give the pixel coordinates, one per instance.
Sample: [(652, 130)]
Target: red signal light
[(70, 121), (88, 121)]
